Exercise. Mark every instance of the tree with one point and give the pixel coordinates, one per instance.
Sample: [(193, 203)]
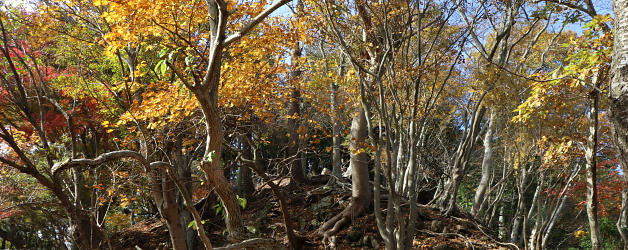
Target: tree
[(30, 105), (618, 103), (202, 82), (112, 112)]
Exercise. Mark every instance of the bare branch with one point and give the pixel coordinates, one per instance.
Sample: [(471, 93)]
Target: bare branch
[(254, 22), (103, 158)]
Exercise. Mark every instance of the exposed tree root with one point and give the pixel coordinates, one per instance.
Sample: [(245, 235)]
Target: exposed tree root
[(295, 241), (257, 243), (335, 224)]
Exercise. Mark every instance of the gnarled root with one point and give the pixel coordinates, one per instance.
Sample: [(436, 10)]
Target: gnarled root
[(338, 222), (256, 243)]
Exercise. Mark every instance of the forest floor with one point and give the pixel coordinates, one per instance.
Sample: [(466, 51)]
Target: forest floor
[(310, 206)]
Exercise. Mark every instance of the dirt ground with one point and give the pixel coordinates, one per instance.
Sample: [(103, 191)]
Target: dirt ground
[(310, 206)]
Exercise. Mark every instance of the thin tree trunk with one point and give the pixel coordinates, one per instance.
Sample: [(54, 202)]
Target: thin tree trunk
[(163, 193), (211, 163), (245, 177), (170, 212), (336, 139), (487, 163), (448, 201), (296, 170), (294, 241), (188, 202), (502, 223), (590, 153), (622, 221), (518, 217), (552, 222), (183, 174), (536, 203)]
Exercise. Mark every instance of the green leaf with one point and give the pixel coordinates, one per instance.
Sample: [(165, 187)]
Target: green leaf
[(164, 67), (163, 52), (241, 201), (192, 225), (210, 156), (189, 59), (218, 208), (158, 66)]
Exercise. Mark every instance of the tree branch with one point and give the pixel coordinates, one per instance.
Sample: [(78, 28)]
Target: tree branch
[(103, 158), (254, 22)]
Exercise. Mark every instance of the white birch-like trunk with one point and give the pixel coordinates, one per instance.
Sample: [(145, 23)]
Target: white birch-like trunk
[(487, 163)]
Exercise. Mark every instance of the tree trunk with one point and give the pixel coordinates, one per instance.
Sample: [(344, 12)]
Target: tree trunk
[(335, 122), (211, 163), (245, 177), (501, 228), (170, 212), (548, 229), (183, 174), (360, 189), (590, 154), (622, 221), (538, 223), (84, 230), (447, 202), (336, 139), (296, 170), (206, 92), (163, 192), (486, 166), (618, 101), (518, 217)]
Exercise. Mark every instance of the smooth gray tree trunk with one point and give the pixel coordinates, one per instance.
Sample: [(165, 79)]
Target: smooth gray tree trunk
[(487, 166), (360, 189)]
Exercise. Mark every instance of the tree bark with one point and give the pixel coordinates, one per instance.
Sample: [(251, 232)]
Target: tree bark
[(591, 169), (296, 170), (85, 232), (211, 163), (360, 189), (447, 201), (618, 100), (518, 216), (183, 173), (205, 90), (336, 139), (169, 209), (245, 177), (501, 227), (487, 163)]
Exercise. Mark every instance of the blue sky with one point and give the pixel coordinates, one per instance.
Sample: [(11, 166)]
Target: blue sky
[(602, 7)]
